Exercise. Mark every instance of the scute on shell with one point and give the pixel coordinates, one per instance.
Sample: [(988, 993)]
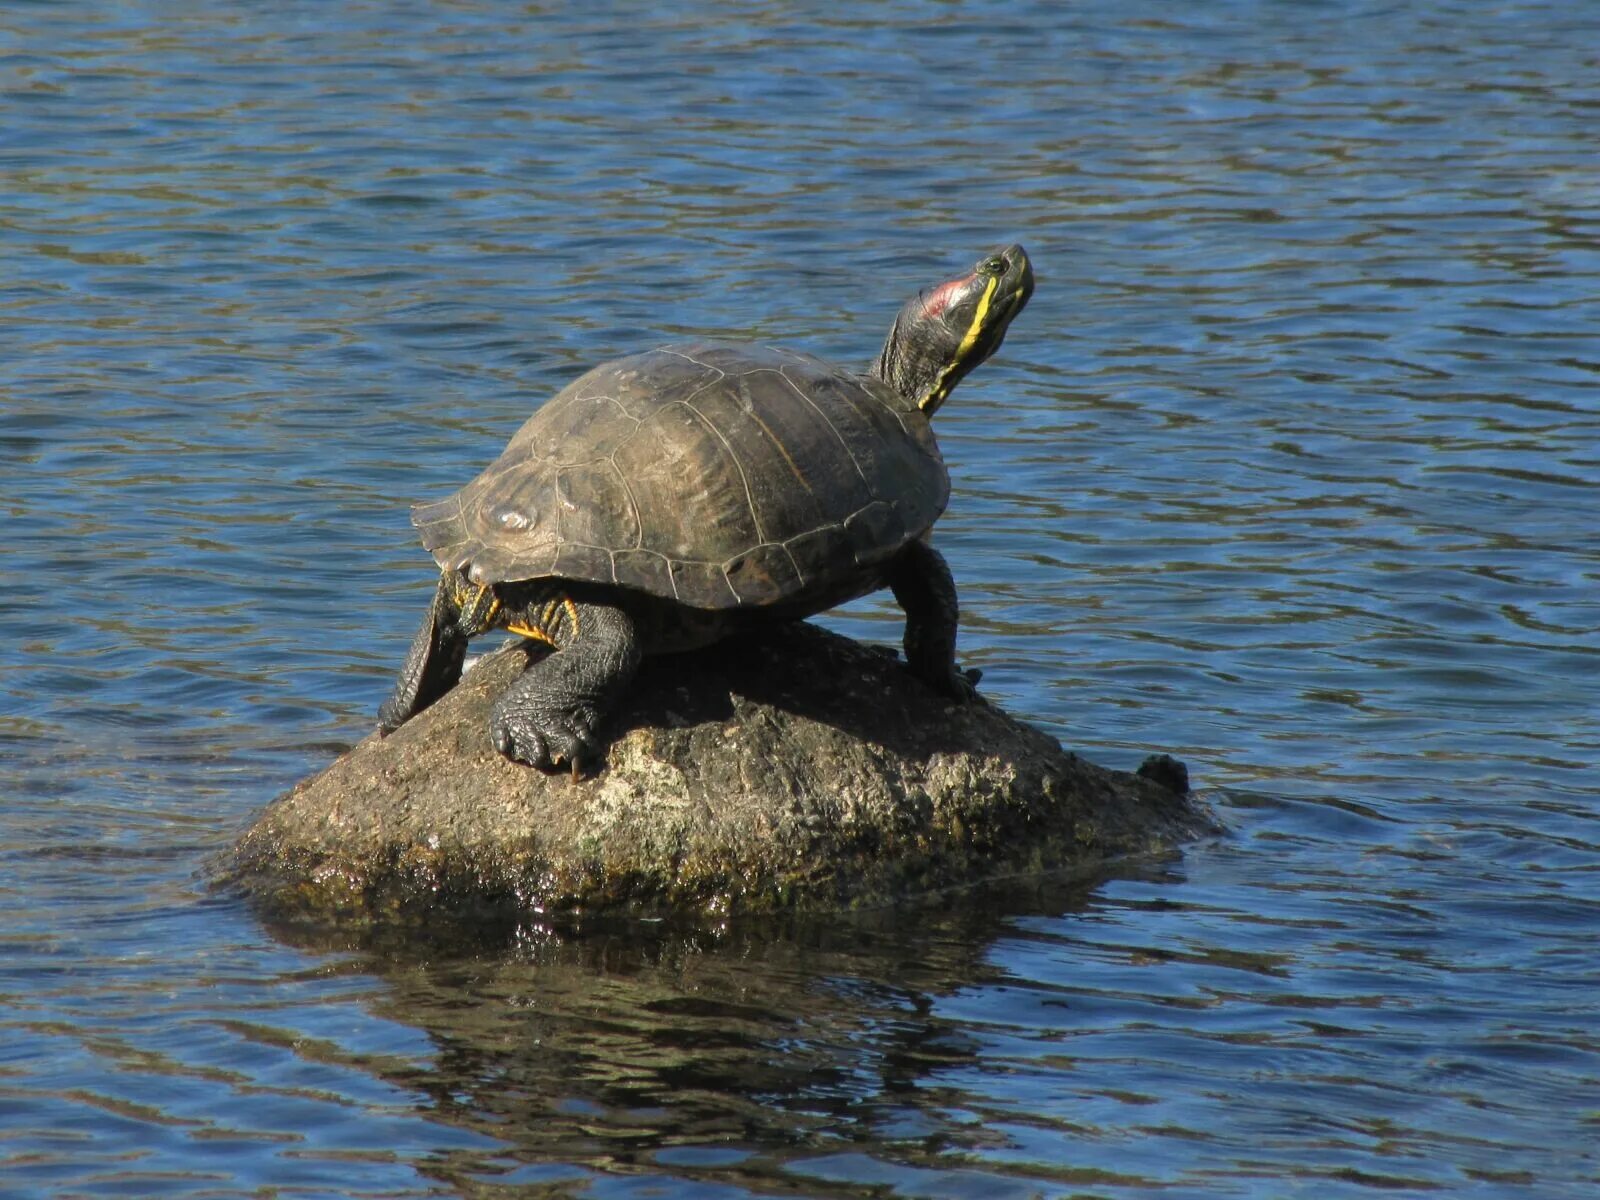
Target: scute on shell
[(716, 474)]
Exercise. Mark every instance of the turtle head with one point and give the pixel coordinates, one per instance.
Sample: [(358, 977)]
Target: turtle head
[(945, 331)]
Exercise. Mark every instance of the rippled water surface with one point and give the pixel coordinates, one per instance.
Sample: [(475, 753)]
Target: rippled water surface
[(1289, 469)]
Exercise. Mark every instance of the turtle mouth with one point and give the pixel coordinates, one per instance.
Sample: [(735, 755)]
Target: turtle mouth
[(1016, 282), (1007, 275)]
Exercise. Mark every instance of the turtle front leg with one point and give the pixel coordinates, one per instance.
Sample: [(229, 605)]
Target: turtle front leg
[(921, 581), (552, 713), (433, 665)]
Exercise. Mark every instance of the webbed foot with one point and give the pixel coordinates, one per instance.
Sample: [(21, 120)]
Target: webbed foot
[(548, 740), (551, 716), (922, 584), (955, 684), (432, 667)]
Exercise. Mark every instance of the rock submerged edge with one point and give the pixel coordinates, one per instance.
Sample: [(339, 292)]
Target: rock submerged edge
[(795, 771)]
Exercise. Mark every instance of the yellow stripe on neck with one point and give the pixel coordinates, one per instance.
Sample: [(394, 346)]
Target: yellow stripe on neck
[(935, 395)]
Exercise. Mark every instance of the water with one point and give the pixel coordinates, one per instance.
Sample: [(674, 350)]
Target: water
[(1289, 470)]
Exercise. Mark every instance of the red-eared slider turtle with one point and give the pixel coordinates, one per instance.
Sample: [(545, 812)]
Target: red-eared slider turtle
[(670, 498)]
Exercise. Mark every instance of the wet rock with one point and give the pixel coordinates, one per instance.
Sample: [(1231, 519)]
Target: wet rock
[(799, 770)]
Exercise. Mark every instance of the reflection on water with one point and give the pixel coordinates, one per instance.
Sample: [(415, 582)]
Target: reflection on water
[(756, 1053), (1288, 469)]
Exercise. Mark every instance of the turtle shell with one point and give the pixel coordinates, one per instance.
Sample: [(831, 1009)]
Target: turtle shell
[(712, 474)]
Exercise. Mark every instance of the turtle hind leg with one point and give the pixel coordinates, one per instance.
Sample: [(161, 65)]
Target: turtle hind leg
[(552, 713), (922, 584), (433, 665)]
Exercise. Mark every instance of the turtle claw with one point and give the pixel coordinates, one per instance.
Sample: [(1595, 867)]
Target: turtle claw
[(955, 684), (524, 746), (962, 686), (548, 741), (391, 716)]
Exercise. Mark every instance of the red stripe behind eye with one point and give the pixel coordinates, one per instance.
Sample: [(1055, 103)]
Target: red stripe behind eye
[(939, 299)]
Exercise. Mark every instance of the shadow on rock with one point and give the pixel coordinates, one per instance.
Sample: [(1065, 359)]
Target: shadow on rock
[(807, 673)]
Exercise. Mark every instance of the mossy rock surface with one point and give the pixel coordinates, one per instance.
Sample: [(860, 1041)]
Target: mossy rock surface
[(795, 771)]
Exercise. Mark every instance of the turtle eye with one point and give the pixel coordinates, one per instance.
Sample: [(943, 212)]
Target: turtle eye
[(993, 265)]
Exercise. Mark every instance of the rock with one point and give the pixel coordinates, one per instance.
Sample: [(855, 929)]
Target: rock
[(797, 770)]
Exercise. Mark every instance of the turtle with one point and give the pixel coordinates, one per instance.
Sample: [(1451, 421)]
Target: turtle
[(666, 500)]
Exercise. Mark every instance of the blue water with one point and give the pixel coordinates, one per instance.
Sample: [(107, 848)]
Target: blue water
[(1289, 470)]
